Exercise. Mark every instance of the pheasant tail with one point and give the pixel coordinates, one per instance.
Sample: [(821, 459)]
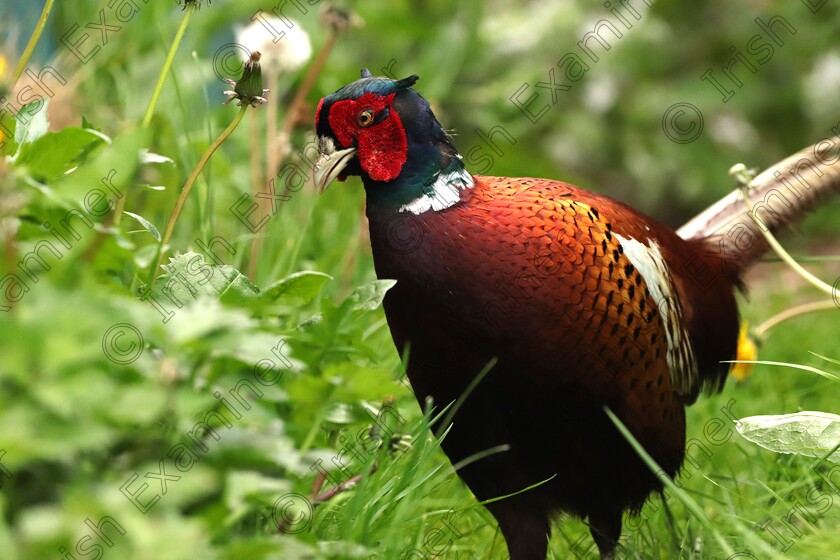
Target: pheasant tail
[(781, 195)]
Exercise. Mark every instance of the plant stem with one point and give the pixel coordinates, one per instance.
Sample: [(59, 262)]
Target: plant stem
[(256, 175), (783, 254), (300, 95), (185, 190), (8, 233), (273, 77), (256, 241), (30, 46), (271, 154), (761, 329), (147, 118), (276, 142), (806, 258)]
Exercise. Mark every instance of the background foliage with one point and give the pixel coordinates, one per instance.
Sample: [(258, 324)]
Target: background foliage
[(76, 425)]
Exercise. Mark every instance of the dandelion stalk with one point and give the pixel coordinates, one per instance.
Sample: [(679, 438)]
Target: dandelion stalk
[(185, 190), (785, 256), (249, 91), (308, 81), (167, 65), (30, 46), (271, 165), (811, 307), (254, 160), (337, 20), (276, 147), (256, 178), (271, 124), (744, 177)]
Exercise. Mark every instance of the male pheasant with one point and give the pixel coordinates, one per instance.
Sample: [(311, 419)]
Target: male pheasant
[(575, 301)]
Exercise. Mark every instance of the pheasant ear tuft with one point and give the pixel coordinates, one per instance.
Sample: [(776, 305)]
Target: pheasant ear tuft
[(365, 73), (406, 83)]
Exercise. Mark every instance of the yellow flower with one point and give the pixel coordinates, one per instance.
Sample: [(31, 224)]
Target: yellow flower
[(747, 350)]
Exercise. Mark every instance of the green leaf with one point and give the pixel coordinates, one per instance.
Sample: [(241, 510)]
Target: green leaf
[(8, 126), (150, 157), (340, 413), (369, 296), (108, 172), (300, 287), (145, 223), (54, 153), (812, 434), (87, 125), (31, 126), (242, 486), (188, 277)]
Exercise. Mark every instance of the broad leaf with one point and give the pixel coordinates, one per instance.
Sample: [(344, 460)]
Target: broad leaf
[(54, 153), (369, 296), (300, 287), (106, 175), (812, 434), (188, 277), (30, 127)]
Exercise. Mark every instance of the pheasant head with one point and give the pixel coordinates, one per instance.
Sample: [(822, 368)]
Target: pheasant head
[(383, 131)]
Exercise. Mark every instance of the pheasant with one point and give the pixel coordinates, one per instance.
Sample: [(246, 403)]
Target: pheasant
[(566, 301)]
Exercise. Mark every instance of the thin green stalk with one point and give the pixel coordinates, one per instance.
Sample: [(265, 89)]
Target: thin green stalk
[(257, 180), (9, 239), (821, 373), (806, 258), (812, 307), (310, 437), (275, 147), (30, 46), (783, 254), (147, 118), (185, 191), (300, 95)]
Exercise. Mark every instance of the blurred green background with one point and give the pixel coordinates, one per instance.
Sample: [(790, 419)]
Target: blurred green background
[(76, 426)]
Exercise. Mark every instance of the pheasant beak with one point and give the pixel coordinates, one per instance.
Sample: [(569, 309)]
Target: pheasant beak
[(330, 162)]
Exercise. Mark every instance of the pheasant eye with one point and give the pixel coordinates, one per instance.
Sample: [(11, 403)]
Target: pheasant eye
[(366, 117)]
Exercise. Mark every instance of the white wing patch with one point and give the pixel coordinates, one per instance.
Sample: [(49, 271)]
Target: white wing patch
[(648, 260), (446, 191)]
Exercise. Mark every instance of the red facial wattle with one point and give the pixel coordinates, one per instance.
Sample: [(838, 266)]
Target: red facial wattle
[(382, 148), (318, 112)]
